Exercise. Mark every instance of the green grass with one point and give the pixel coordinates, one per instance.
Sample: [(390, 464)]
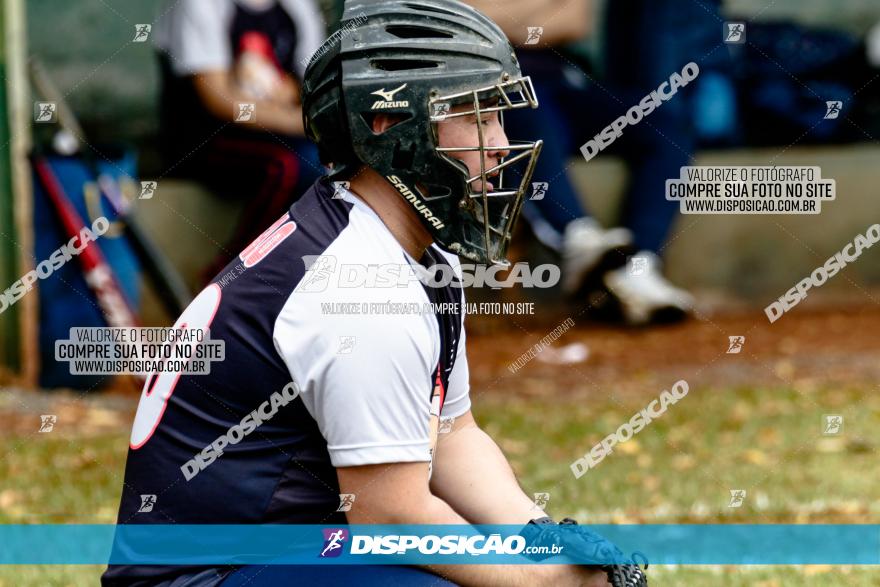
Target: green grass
[(53, 479), (678, 469), (682, 466)]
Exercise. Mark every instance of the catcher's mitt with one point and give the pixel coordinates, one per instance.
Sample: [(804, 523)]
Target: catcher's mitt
[(586, 548)]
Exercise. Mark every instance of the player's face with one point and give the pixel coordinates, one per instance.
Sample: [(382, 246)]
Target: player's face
[(464, 131)]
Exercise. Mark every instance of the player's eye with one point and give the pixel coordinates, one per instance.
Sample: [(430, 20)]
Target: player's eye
[(485, 119)]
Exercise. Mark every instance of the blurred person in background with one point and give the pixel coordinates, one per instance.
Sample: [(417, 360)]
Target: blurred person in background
[(645, 42), (215, 56)]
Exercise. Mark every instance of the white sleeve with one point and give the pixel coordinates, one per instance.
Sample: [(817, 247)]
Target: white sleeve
[(310, 31), (194, 35), (372, 403)]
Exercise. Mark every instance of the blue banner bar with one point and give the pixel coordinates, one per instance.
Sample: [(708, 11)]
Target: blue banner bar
[(301, 544)]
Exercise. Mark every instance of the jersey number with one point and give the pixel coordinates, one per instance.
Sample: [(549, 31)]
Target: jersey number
[(159, 386)]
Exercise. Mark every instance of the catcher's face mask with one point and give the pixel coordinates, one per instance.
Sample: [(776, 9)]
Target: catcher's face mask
[(496, 171)]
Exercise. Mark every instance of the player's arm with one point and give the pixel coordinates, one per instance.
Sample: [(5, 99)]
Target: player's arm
[(473, 476), (221, 97), (398, 493), (563, 22)]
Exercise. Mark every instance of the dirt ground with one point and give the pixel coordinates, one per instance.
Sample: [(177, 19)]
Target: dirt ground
[(825, 344)]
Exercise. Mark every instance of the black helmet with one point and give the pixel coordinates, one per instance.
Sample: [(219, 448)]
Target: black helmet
[(418, 59)]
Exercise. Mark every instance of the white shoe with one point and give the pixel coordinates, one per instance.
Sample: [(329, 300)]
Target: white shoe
[(646, 296), (586, 246)]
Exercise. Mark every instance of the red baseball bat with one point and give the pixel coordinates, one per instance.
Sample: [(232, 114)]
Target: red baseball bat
[(97, 272)]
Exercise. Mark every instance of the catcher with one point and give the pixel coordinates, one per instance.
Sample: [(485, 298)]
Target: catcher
[(406, 110)]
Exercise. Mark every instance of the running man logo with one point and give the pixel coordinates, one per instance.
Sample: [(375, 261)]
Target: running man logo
[(833, 424), (346, 500), (141, 33), (736, 344), (346, 345), (534, 36), (339, 189), (319, 268), (439, 111), (734, 33), (541, 500), (737, 497), (833, 108), (638, 265), (539, 190), (47, 422), (148, 188), (388, 101), (245, 112), (45, 112), (446, 425), (147, 503), (334, 538)]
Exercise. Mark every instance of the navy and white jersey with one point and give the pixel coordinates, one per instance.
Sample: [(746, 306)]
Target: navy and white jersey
[(368, 380)]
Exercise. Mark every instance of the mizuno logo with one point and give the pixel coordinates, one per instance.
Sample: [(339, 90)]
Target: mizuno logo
[(388, 101)]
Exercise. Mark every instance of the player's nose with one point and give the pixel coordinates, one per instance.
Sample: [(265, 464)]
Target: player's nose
[(499, 143)]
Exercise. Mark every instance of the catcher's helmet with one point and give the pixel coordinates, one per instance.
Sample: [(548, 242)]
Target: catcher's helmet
[(418, 60)]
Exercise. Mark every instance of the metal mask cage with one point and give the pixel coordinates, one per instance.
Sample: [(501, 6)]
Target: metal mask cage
[(495, 211)]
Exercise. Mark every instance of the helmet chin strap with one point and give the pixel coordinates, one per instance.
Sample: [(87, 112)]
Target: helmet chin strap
[(377, 193)]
